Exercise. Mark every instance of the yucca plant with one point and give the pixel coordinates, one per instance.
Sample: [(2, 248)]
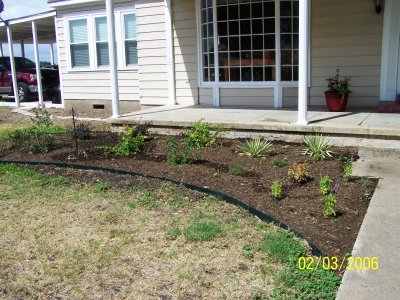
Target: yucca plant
[(255, 148), (317, 147)]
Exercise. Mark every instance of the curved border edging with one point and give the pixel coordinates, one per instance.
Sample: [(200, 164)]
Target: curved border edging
[(229, 199)]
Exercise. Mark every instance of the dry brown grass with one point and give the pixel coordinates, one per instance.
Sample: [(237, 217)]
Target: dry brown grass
[(65, 240)]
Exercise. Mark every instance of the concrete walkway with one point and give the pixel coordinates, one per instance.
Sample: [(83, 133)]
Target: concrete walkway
[(368, 124), (379, 236)]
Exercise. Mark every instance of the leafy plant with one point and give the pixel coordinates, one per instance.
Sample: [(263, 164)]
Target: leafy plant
[(202, 135), (280, 162), (330, 203), (317, 147), (42, 118), (101, 187), (202, 231), (325, 185), (41, 143), (347, 169), (255, 148), (276, 190), (299, 172), (82, 132), (180, 152), (365, 182), (339, 84), (237, 171), (132, 142)]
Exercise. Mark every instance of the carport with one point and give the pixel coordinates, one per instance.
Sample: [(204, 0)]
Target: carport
[(34, 29)]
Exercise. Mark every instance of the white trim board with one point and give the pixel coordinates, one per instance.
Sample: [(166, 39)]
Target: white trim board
[(390, 51)]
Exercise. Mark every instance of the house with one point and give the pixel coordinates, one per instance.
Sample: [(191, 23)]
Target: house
[(247, 53)]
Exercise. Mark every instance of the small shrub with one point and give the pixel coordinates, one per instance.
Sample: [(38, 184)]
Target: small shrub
[(181, 154), (330, 203), (347, 169), (280, 162), (42, 117), (325, 185), (173, 233), (317, 147), (200, 135), (255, 148), (276, 190), (41, 143), (237, 171), (132, 142), (101, 187), (202, 231), (300, 172), (82, 132)]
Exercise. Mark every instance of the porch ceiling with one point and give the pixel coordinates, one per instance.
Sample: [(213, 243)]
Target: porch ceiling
[(22, 28)]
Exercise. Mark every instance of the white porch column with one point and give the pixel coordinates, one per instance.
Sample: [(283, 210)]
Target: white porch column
[(37, 62), (52, 54), (23, 48), (1, 49), (113, 58), (12, 63), (170, 53), (303, 61)]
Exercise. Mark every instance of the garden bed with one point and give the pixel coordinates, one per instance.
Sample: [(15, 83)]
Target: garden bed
[(220, 167)]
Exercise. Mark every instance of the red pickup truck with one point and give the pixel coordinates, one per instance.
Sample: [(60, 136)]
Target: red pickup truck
[(26, 77)]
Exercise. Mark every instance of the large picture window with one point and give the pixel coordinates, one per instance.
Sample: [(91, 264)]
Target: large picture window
[(249, 47)]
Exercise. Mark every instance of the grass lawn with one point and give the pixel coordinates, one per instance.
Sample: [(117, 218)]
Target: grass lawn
[(62, 237)]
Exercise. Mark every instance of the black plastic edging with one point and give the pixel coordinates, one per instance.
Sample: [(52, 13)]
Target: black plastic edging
[(259, 214)]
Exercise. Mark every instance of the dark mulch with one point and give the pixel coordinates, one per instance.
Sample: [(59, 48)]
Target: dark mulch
[(301, 207)]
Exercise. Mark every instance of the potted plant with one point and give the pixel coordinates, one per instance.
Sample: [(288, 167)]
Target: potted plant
[(338, 93)]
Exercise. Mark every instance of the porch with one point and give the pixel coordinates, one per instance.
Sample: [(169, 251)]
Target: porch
[(354, 128)]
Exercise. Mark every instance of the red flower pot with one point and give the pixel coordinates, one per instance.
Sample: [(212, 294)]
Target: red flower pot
[(336, 102)]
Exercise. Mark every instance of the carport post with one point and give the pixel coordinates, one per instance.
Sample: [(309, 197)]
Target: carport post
[(52, 54), (23, 48), (37, 62), (113, 58), (303, 61), (1, 49), (12, 63)]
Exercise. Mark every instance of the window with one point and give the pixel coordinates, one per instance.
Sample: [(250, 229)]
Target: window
[(101, 42), (79, 43), (130, 42), (247, 40), (88, 40)]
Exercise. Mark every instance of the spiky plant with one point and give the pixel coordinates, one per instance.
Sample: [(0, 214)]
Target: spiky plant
[(317, 147), (255, 148)]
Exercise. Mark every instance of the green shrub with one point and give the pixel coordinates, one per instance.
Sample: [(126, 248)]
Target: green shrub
[(280, 162), (329, 208), (276, 190), (132, 142), (41, 143), (237, 171), (42, 118), (202, 135), (181, 154), (325, 185), (317, 147), (299, 172), (202, 231), (255, 148), (82, 132), (347, 169)]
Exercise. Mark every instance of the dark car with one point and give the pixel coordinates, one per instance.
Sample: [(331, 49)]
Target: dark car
[(27, 80)]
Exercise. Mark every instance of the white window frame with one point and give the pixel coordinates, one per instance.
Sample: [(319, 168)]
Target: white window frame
[(119, 32), (123, 40), (245, 84)]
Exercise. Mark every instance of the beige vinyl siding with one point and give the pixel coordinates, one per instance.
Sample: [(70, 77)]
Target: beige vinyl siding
[(346, 35), (289, 97), (92, 84), (185, 50), (206, 96), (247, 97), (152, 54)]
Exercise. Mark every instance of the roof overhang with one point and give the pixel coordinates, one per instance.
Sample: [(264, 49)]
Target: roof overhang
[(22, 28)]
